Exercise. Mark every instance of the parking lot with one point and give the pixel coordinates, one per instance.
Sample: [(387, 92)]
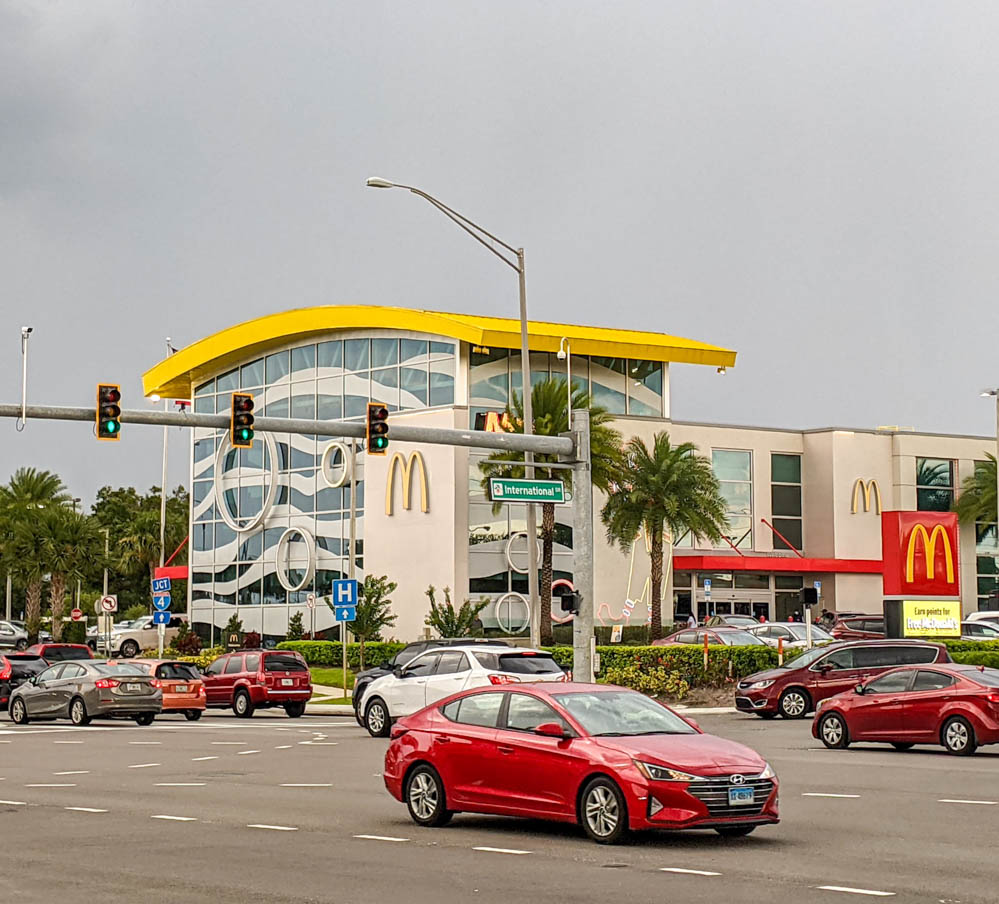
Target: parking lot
[(273, 809)]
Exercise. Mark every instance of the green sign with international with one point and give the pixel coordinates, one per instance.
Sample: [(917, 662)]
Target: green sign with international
[(511, 489)]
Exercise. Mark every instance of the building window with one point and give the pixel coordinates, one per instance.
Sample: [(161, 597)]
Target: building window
[(734, 471), (785, 499), (787, 595), (934, 484), (987, 562)]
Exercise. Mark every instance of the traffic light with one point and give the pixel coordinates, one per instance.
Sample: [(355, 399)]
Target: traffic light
[(108, 412), (241, 421), (570, 602), (808, 596), (377, 428)]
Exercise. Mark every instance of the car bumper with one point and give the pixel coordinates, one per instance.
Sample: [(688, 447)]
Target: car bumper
[(700, 805), (275, 696), (755, 702), (182, 703)]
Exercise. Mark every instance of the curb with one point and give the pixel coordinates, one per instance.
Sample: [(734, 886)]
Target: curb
[(705, 710), (329, 709)]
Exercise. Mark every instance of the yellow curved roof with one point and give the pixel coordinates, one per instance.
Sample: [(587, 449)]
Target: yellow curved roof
[(175, 377)]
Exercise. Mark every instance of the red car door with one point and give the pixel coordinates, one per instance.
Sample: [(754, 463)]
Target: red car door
[(931, 691), (877, 714), (215, 692), (464, 750), (832, 674)]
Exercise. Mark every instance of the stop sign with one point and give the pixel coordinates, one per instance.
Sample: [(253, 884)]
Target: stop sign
[(76, 614)]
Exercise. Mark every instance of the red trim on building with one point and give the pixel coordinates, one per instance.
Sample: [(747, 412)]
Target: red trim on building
[(174, 572), (777, 563)]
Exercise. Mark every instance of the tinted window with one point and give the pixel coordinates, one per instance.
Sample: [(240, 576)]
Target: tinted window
[(480, 709), (527, 664), (915, 655), (424, 665), (124, 668), (216, 667), (252, 662), (839, 659), (51, 673), (451, 662), (932, 681), (24, 668), (73, 671), (234, 665), (409, 653), (875, 625), (451, 710), (891, 683), (527, 713), (177, 671), (61, 654), (686, 637), (278, 662)]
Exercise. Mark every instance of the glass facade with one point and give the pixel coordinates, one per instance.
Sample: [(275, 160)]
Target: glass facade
[(734, 470), (785, 499), (934, 484)]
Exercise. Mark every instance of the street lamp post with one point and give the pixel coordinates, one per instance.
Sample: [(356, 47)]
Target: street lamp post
[(489, 241), (565, 354), (994, 393)]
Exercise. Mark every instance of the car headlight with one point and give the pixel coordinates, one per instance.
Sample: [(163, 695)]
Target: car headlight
[(768, 772), (759, 685), (664, 773)]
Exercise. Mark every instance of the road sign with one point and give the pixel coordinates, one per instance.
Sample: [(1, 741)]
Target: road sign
[(345, 613), (503, 489), (310, 601), (161, 601), (344, 594), (161, 585), (707, 588), (76, 614), (161, 618), (817, 585), (106, 605)]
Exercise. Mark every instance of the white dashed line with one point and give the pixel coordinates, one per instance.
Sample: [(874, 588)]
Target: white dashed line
[(78, 772), (199, 759), (144, 765), (145, 743), (228, 743), (14, 803), (175, 818), (984, 803), (857, 891), (322, 743), (245, 752), (85, 809), (307, 785), (380, 838), (67, 742), (492, 850), (273, 828), (821, 794), (687, 872), (51, 785), (284, 747), (181, 784)]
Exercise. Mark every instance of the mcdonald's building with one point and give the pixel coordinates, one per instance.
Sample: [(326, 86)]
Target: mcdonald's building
[(271, 526)]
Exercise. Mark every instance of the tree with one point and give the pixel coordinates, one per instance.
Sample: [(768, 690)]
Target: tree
[(373, 610), (549, 407), (668, 488), (977, 502), (233, 626), (296, 631), (27, 553), (448, 621), (69, 539), (29, 488)]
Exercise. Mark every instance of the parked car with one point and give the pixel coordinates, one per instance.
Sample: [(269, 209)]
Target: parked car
[(248, 680), (140, 635), (987, 616), (183, 689), (979, 630), (60, 652), (794, 689), (85, 690), (15, 669), (12, 637), (721, 636), (92, 631), (409, 652), (859, 627), (436, 674), (793, 634), (956, 706), (734, 621), (607, 758)]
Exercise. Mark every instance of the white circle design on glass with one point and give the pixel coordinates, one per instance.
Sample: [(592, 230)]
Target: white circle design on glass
[(513, 614), (509, 550), (335, 465), (272, 484), (283, 563)]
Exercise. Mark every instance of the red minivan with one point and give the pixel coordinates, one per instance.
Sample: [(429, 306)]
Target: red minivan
[(794, 689), (258, 679)]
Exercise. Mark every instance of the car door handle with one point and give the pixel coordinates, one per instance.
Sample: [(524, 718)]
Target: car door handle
[(503, 749), (441, 739)]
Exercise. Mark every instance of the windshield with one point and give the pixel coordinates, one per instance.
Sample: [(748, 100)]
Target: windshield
[(817, 633), (124, 668), (527, 663), (622, 714), (739, 639), (739, 621), (806, 658)]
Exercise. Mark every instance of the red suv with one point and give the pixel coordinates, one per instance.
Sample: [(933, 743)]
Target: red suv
[(258, 679), (794, 689), (859, 627)]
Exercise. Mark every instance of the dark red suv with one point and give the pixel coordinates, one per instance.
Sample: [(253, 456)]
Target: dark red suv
[(794, 689), (858, 627), (258, 679)]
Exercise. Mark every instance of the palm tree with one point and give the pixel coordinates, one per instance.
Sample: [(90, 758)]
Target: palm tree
[(549, 406), (27, 557), (977, 502), (668, 488), (69, 539), (29, 488)]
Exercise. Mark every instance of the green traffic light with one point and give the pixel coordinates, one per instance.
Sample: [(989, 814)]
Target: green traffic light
[(110, 426), (380, 442), (245, 434)]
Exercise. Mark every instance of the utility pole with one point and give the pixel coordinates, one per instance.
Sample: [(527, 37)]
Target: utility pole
[(8, 596), (582, 545)]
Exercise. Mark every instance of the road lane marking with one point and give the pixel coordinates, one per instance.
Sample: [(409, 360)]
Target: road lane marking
[(175, 818), (145, 743), (199, 759), (144, 765), (822, 794), (64, 742), (492, 850), (284, 747), (380, 838), (181, 784), (258, 825), (228, 743), (51, 785), (985, 803), (857, 891), (245, 752), (85, 809), (322, 743), (77, 772), (687, 872), (14, 803)]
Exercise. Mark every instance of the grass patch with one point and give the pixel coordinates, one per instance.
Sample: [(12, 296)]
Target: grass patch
[(332, 701), (331, 677)]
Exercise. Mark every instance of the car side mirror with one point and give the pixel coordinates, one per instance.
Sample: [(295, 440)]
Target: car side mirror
[(397, 671), (826, 667), (859, 689), (550, 730)]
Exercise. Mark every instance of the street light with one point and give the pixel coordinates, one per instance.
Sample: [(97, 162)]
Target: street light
[(565, 354), (488, 240), (994, 393)]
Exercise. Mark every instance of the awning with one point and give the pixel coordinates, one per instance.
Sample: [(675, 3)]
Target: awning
[(776, 563)]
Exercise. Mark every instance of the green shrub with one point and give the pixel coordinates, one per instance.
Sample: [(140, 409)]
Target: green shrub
[(988, 658), (296, 630), (656, 682), (74, 632), (971, 646), (134, 612)]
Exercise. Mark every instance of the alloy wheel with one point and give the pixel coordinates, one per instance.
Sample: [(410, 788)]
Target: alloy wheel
[(18, 712), (601, 811), (376, 718), (793, 704), (423, 796), (832, 731), (78, 713), (956, 735)]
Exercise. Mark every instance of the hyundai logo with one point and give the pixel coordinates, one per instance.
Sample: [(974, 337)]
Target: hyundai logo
[(738, 779)]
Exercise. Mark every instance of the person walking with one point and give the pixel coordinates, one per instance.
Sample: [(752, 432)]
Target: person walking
[(691, 621)]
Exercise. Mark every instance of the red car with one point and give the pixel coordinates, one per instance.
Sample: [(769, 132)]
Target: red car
[(258, 679), (858, 627), (720, 635), (607, 758), (60, 652), (794, 689), (949, 704)]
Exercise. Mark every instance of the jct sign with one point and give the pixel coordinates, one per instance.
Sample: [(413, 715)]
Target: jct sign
[(921, 553)]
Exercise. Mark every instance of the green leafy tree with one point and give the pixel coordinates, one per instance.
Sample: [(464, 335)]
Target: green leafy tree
[(448, 621), (69, 539), (233, 626), (29, 489), (549, 408), (666, 488), (27, 551), (296, 630), (977, 502), (374, 613)]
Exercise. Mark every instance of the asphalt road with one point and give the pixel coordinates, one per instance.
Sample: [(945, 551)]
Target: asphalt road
[(276, 810)]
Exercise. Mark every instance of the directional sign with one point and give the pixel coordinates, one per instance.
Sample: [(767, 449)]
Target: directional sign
[(161, 585), (162, 601), (345, 613), (161, 618), (76, 614), (344, 594), (503, 489), (106, 604), (707, 588)]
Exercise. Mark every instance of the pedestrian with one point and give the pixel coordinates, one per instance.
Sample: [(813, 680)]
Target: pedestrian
[(763, 619), (691, 621), (796, 617)]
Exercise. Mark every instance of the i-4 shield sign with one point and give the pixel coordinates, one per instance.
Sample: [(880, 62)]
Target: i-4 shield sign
[(161, 601)]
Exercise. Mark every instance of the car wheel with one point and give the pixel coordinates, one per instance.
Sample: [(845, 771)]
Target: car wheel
[(78, 712), (18, 712), (735, 831), (145, 718), (833, 731), (129, 649), (192, 715), (295, 710), (603, 811), (426, 799), (794, 703), (958, 737), (21, 645), (377, 719), (242, 705), (902, 745)]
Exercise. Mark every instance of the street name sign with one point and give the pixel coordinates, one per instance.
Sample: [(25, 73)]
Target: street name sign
[(511, 489)]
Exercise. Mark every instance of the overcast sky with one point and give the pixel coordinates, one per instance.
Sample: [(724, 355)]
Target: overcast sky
[(812, 184)]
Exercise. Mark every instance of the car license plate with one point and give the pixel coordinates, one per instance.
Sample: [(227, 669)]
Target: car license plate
[(132, 687), (180, 689), (287, 682), (740, 796)]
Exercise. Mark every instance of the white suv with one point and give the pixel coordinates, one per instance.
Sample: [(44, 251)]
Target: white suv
[(139, 635), (438, 673)]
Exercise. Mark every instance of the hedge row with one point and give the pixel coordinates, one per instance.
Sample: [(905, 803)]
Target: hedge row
[(988, 658), (330, 652)]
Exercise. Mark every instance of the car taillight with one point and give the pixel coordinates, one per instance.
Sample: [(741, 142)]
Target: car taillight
[(565, 676), (503, 679), (156, 682), (6, 671), (992, 698), (105, 683), (201, 690)]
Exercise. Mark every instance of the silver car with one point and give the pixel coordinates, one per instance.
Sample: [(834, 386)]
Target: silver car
[(81, 690), (12, 636), (792, 633)]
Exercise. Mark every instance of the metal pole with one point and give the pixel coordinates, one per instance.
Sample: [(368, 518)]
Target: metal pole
[(353, 540), (582, 545), (568, 380), (8, 596), (163, 492), (22, 417), (997, 473), (532, 515), (808, 627)]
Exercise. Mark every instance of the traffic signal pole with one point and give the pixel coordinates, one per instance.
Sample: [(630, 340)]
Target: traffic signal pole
[(582, 545)]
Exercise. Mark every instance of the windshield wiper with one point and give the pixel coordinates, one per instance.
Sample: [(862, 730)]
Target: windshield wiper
[(611, 734)]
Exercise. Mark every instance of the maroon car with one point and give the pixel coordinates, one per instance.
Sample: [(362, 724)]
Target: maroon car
[(60, 652), (794, 689), (858, 627), (956, 706), (719, 635), (258, 679)]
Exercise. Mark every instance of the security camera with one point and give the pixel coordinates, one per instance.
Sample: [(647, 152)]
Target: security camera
[(561, 354), (26, 329)]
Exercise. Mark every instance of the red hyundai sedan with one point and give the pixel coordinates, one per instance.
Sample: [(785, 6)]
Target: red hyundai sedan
[(607, 758), (954, 705)]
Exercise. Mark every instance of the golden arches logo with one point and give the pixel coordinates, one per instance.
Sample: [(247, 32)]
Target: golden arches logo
[(868, 487), (929, 552), (409, 465)]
